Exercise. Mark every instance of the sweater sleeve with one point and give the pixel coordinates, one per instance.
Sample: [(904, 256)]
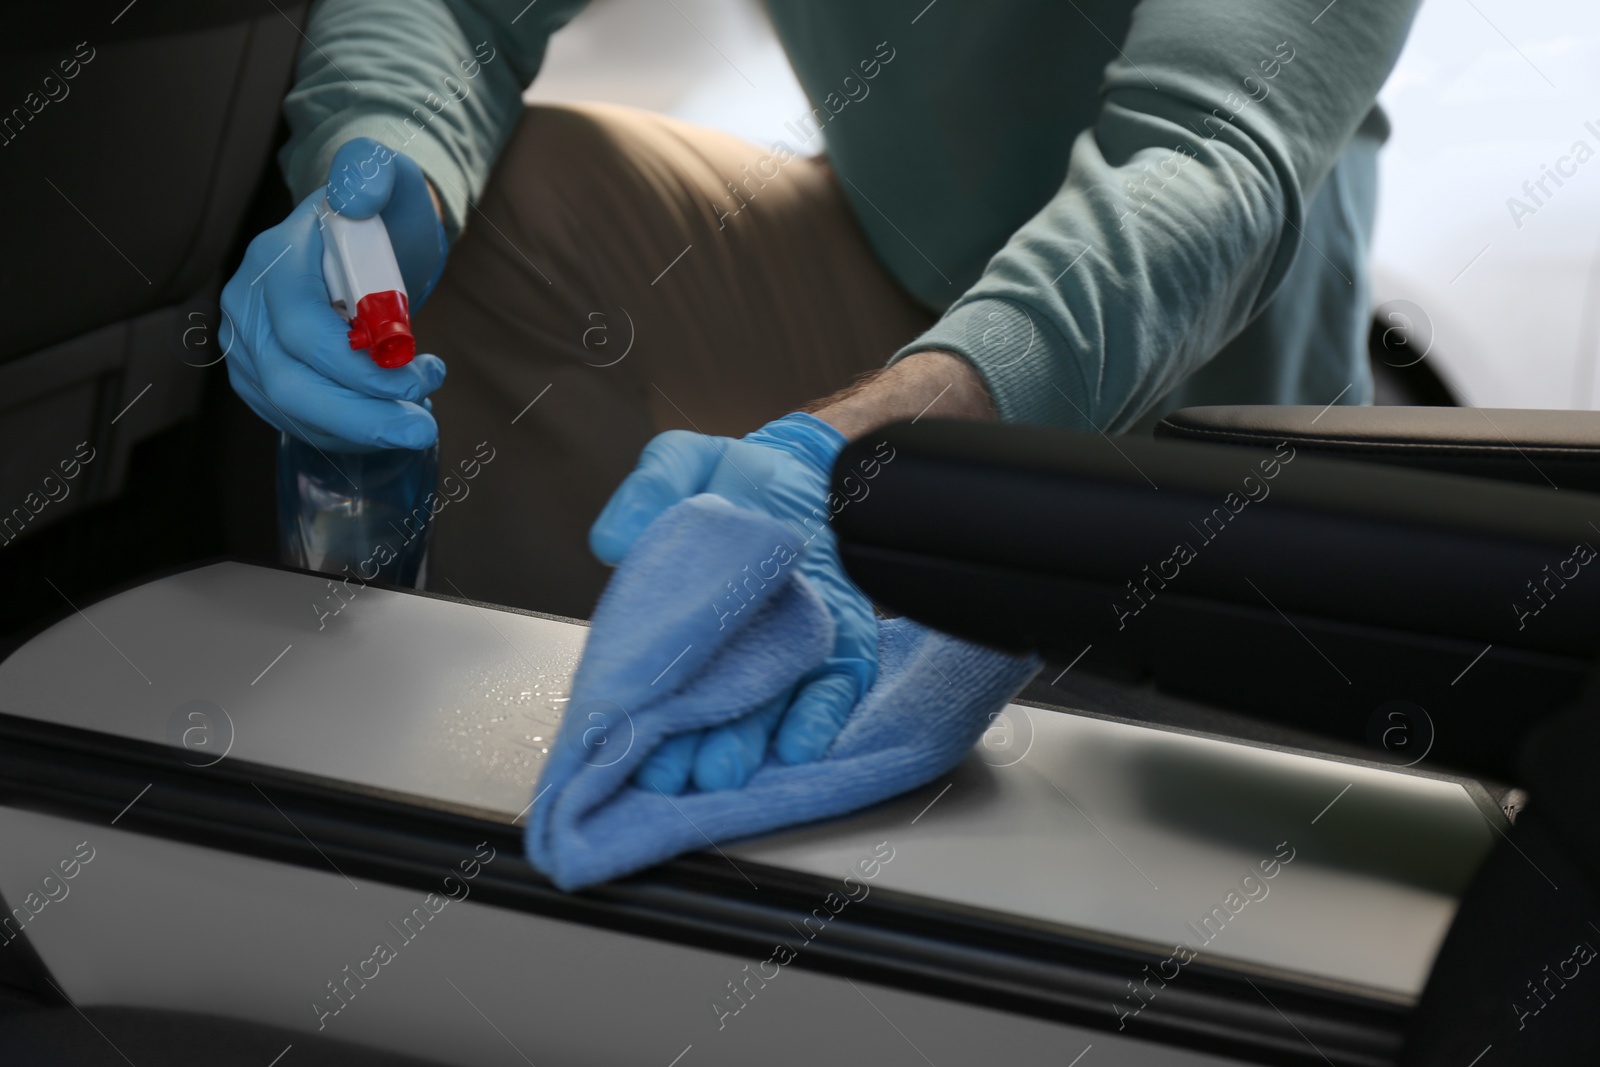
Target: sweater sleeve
[(440, 80), (1181, 208)]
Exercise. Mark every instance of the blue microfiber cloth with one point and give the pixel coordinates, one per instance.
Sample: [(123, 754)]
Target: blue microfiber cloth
[(665, 655)]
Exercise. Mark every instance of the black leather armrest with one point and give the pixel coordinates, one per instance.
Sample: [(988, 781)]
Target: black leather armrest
[(1551, 448), (1427, 553), (1271, 581)]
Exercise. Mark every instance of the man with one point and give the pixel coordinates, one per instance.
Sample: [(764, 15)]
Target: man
[(1082, 213)]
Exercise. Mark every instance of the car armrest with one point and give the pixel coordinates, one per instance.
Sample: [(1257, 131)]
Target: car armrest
[(1410, 550), (1301, 588), (1555, 448)]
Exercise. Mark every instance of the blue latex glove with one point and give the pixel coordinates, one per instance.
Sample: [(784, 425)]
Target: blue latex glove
[(781, 470), (288, 356)]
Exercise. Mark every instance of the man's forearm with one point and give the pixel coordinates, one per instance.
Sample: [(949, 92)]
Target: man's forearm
[(924, 383)]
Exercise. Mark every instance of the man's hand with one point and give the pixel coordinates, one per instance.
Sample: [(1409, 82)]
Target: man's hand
[(783, 470), (288, 356)]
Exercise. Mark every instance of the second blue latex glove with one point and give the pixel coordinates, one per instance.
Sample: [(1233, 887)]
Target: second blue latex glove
[(781, 470), (288, 356)]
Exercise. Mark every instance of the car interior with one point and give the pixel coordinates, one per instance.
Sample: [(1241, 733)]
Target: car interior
[(1358, 689)]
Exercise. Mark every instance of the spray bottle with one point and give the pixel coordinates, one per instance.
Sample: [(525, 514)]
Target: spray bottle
[(360, 514)]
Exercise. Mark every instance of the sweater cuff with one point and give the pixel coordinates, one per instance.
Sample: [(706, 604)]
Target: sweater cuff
[(307, 167), (1026, 364)]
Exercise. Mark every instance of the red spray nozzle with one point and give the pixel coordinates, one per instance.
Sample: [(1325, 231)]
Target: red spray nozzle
[(382, 323)]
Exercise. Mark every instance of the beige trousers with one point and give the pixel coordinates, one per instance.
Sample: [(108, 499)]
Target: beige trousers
[(625, 273)]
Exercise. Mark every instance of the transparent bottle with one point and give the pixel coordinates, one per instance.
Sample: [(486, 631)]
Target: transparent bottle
[(363, 515), (360, 514)]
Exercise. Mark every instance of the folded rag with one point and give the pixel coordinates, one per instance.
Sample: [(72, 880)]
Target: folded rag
[(705, 620)]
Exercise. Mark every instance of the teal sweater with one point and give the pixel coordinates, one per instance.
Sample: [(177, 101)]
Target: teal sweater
[(1097, 194)]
